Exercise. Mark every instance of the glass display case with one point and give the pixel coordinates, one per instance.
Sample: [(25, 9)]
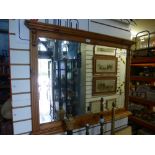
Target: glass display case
[(66, 77)]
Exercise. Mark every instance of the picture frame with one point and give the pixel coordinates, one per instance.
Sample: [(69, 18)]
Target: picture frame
[(104, 85), (104, 65), (104, 50)]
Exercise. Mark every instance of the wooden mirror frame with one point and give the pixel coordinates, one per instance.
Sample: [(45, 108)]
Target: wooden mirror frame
[(38, 29)]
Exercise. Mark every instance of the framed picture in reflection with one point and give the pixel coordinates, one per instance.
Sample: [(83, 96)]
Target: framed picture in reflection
[(104, 85), (104, 65)]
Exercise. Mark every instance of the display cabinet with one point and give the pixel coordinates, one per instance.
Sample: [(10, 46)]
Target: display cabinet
[(142, 84), (66, 78)]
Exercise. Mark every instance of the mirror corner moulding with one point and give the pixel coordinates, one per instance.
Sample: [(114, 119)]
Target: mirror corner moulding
[(79, 35), (34, 37)]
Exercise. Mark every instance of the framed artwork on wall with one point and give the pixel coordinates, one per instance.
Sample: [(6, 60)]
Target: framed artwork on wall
[(104, 50), (104, 85), (104, 65)]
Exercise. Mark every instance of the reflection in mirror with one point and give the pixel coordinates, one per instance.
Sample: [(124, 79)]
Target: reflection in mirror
[(59, 71)]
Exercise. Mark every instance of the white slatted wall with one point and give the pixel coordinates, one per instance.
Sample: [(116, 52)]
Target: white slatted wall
[(20, 78), (88, 56)]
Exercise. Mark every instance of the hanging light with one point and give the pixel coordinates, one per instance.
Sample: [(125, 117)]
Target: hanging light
[(42, 47)]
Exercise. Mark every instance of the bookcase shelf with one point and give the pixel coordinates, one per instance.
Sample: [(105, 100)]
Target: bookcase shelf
[(142, 82)]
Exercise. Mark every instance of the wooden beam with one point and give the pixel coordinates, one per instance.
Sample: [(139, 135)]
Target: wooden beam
[(78, 35)]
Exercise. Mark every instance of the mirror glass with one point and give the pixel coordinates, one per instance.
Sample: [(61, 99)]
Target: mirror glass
[(65, 75), (59, 77)]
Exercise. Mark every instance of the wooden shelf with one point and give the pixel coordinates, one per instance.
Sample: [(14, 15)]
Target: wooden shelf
[(137, 60), (142, 61), (142, 123), (141, 78), (141, 101), (82, 120), (143, 65)]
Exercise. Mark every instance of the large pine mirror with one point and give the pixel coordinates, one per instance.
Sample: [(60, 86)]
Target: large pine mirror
[(62, 74)]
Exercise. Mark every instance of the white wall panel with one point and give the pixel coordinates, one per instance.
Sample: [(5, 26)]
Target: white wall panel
[(22, 127), (124, 121), (108, 133), (21, 100), (88, 61), (18, 40), (117, 123), (95, 130), (108, 127), (19, 86), (89, 65), (82, 132), (114, 22), (16, 43), (88, 83), (88, 70), (88, 87), (89, 57), (89, 48), (41, 20), (89, 52), (25, 133), (107, 30), (89, 79), (88, 74), (83, 23), (20, 71), (19, 57), (21, 113), (14, 28), (76, 133), (93, 99)]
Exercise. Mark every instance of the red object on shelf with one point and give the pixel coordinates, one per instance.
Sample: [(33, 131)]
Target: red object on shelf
[(144, 65), (146, 79), (137, 60)]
